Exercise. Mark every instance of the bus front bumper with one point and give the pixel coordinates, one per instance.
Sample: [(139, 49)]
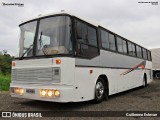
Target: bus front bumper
[(52, 92)]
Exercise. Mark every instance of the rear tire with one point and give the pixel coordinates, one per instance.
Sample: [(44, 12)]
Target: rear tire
[(157, 75), (145, 81), (100, 91)]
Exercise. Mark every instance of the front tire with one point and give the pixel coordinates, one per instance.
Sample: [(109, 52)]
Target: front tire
[(99, 91)]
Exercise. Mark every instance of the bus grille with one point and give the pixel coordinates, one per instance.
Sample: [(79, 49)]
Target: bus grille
[(35, 75)]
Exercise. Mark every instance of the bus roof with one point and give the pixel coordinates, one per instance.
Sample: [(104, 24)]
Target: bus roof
[(79, 17), (62, 13)]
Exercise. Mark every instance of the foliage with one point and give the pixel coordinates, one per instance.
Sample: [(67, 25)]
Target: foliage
[(5, 62), (5, 70), (5, 82)]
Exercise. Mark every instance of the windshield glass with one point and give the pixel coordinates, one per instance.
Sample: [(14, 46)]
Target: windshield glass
[(54, 37), (27, 38)]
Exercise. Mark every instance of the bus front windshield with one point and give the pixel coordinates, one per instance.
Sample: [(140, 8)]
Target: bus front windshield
[(49, 36)]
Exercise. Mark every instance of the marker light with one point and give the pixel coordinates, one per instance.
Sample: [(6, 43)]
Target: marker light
[(58, 61), (142, 66), (13, 64)]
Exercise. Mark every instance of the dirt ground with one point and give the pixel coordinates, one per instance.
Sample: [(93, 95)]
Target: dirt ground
[(138, 99)]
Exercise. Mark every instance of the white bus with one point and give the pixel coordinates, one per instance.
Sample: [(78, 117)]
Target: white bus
[(64, 58)]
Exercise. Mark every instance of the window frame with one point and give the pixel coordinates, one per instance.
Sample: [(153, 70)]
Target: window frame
[(73, 37), (127, 54), (141, 51), (132, 48), (150, 55), (122, 44), (115, 41), (100, 37), (76, 41), (146, 53), (36, 36)]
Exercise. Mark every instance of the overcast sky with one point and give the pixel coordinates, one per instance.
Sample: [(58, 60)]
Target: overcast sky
[(138, 22)]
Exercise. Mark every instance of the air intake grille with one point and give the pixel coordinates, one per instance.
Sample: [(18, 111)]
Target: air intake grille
[(36, 75)]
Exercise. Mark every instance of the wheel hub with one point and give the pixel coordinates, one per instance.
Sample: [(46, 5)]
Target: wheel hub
[(99, 90)]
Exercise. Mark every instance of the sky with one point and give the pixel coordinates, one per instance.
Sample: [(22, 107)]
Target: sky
[(138, 22)]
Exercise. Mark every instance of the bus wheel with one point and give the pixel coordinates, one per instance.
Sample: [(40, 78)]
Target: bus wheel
[(144, 81), (157, 74), (99, 91)]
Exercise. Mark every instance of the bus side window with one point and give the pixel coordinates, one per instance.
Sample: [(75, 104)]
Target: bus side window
[(86, 40), (121, 45), (81, 32), (92, 36), (139, 51), (124, 46), (112, 43), (104, 39), (150, 55), (144, 53), (131, 49)]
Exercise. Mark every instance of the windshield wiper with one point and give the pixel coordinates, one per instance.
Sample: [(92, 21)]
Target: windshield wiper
[(41, 44), (26, 51)]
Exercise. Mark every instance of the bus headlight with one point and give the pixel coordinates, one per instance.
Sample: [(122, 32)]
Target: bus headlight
[(16, 90), (19, 91), (49, 93), (57, 93), (43, 92)]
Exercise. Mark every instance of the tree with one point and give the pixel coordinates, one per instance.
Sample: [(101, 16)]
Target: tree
[(5, 62), (4, 52)]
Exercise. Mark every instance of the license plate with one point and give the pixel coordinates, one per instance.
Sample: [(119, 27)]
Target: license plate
[(30, 91)]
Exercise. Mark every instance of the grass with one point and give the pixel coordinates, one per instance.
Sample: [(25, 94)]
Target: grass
[(5, 82)]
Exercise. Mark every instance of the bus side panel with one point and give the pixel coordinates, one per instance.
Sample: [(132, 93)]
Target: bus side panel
[(85, 80), (119, 82), (123, 72)]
